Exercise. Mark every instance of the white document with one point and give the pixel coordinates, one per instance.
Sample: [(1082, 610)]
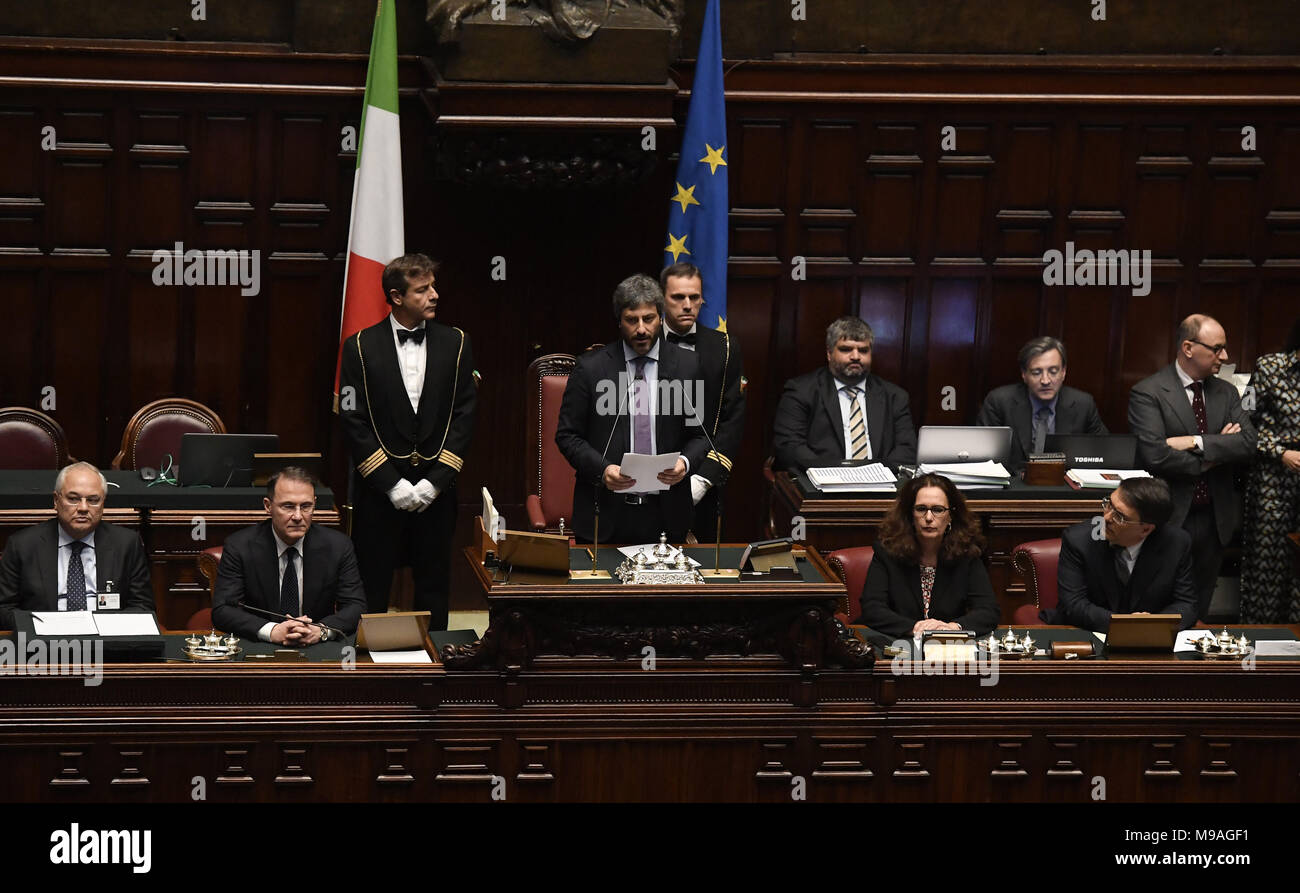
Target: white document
[(125, 624), (990, 471), (416, 656), (1103, 478), (649, 548), (64, 623), (491, 519), (854, 478), (1277, 648), (645, 470)]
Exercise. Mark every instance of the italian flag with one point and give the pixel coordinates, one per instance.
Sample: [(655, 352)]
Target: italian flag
[(375, 236)]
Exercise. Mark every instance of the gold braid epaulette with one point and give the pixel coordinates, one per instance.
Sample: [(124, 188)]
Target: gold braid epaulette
[(381, 455)]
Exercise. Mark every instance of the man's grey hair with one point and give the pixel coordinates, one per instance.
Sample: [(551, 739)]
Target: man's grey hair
[(1036, 347), (635, 291), (849, 328), (80, 466)]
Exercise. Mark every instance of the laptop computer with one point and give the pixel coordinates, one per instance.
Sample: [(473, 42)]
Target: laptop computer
[(942, 444), (222, 460), (1112, 451)]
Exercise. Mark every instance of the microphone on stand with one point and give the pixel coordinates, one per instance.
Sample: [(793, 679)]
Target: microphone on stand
[(719, 572), (595, 573)]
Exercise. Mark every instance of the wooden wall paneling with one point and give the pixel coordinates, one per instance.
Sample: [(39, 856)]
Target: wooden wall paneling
[(751, 308), (24, 363), (22, 206), (954, 309), (77, 357), (1278, 308), (1014, 302), (882, 302), (828, 206), (147, 368)]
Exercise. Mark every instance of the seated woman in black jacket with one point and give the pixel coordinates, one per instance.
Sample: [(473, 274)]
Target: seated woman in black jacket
[(927, 572)]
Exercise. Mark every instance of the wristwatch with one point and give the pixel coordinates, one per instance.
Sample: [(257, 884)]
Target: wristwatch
[(324, 634)]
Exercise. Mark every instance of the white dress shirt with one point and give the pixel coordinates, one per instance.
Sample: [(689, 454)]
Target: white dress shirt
[(846, 412), (411, 358), (87, 565)]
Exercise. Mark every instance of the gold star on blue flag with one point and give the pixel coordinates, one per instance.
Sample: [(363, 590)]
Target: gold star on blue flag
[(697, 215)]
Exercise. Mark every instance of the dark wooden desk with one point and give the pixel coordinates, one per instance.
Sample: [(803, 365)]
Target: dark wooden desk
[(716, 729), (176, 524), (1008, 517)]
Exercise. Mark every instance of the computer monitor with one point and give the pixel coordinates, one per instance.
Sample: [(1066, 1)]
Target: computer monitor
[(222, 460)]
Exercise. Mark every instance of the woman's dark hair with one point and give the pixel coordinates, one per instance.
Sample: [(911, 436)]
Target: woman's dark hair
[(898, 533), (1293, 340)]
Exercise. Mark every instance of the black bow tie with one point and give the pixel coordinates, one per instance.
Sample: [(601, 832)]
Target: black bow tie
[(405, 335), (681, 339)]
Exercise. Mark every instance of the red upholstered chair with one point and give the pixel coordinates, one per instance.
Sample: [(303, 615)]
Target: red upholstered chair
[(550, 476), (851, 565), (208, 561), (29, 439), (155, 431), (1037, 560)]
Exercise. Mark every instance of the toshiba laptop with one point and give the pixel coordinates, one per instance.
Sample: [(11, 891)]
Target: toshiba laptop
[(1117, 452), (942, 444)]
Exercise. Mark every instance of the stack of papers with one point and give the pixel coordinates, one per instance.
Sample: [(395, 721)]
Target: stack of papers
[(1100, 478), (971, 475), (873, 478)]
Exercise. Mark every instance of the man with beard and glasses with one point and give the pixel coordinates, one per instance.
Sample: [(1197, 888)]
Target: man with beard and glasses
[(843, 412), (628, 397)]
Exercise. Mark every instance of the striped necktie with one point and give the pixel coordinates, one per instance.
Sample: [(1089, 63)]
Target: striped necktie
[(857, 426)]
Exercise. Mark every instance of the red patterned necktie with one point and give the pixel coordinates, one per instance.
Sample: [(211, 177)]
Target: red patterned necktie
[(1201, 492)]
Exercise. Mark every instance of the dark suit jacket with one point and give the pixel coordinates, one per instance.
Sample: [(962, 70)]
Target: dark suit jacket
[(808, 431), (1090, 591), (249, 573), (892, 604), (1158, 408), (724, 404), (1010, 405), (29, 569), (585, 426), (380, 425)]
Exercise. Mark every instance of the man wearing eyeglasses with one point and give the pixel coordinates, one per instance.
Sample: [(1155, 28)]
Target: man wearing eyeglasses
[(284, 566), (60, 564), (1143, 565), (1042, 405), (1192, 431)]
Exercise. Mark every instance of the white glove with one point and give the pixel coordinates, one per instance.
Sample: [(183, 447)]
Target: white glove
[(403, 497), (426, 493), (699, 486)]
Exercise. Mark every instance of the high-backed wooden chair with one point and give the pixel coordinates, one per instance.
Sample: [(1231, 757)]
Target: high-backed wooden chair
[(208, 561), (29, 439), (550, 476), (1037, 561), (155, 432), (851, 565)]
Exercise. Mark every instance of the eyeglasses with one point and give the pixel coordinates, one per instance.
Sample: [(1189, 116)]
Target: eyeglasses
[(289, 508), (72, 499), (1108, 508), (1222, 348), (937, 510), (1051, 372)]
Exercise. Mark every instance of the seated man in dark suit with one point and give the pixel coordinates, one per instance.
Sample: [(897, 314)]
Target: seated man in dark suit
[(284, 565), (60, 564), (1042, 405), (632, 396), (843, 412), (1143, 566)]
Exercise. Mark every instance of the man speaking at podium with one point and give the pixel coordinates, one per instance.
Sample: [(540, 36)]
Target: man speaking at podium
[(641, 395), (60, 564)]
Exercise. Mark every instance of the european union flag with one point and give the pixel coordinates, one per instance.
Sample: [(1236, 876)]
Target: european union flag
[(697, 219)]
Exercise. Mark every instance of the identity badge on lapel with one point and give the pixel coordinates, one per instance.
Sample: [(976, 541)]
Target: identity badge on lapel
[(108, 600)]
